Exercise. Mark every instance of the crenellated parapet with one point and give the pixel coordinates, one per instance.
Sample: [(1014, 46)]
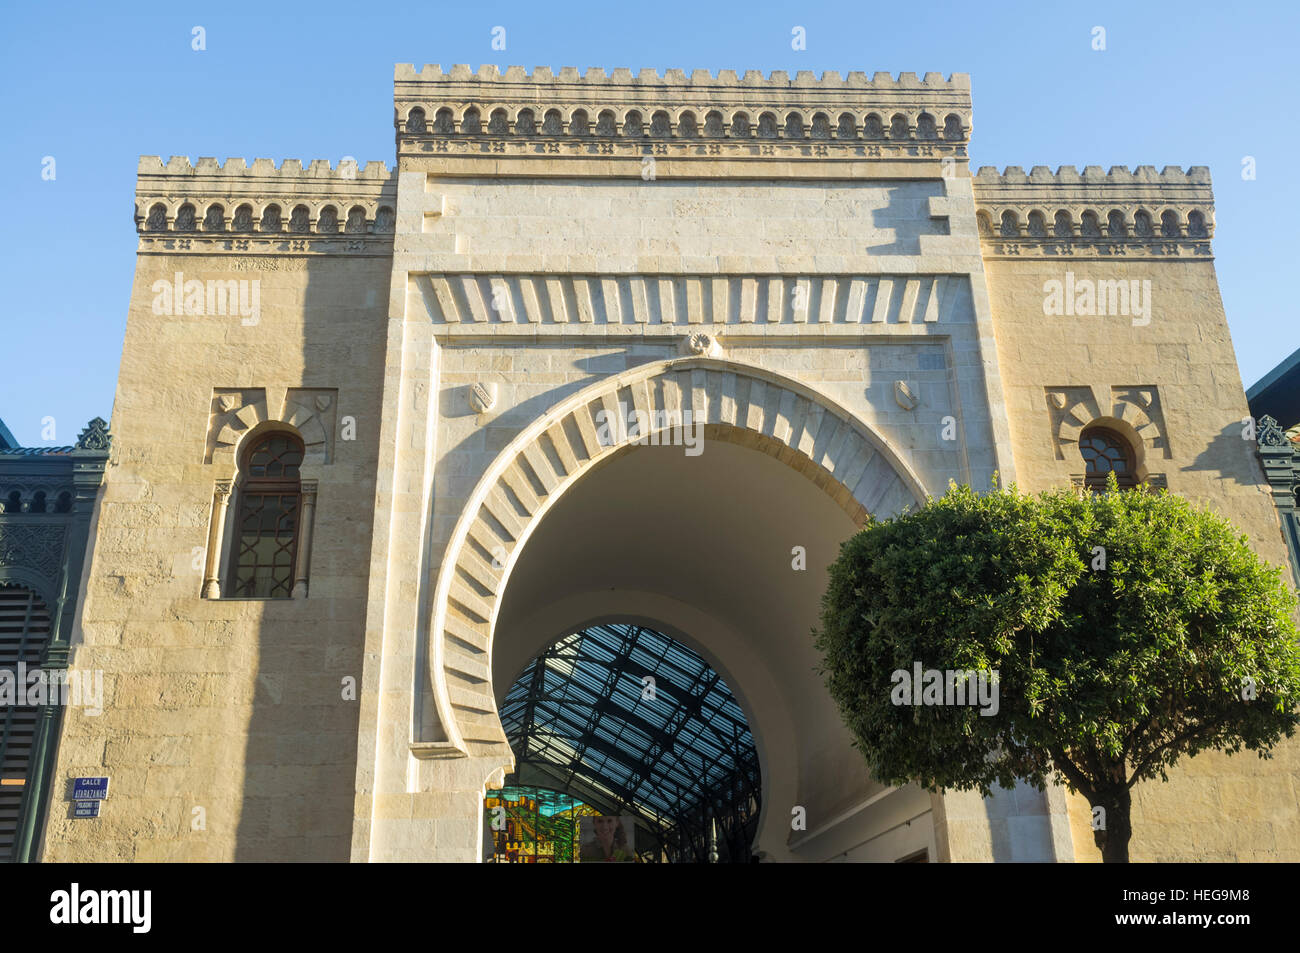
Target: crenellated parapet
[(211, 208), (594, 114), (1094, 213)]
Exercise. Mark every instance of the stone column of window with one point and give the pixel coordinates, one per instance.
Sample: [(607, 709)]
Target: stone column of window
[(303, 558), (212, 572)]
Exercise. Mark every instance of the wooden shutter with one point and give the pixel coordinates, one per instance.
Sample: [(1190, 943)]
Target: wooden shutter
[(24, 632)]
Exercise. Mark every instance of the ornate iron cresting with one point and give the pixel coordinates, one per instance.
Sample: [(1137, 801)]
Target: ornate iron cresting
[(95, 436), (1281, 459)]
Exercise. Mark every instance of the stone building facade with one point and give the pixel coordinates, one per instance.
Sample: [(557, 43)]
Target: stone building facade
[(805, 266)]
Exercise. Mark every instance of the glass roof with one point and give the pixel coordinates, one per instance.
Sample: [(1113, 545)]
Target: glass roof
[(674, 754)]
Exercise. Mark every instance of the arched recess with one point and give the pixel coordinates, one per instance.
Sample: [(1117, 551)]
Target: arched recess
[(1132, 423), (722, 646), (253, 419), (741, 403)]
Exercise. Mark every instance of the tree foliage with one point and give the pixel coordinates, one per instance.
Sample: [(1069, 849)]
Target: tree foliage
[(1182, 640)]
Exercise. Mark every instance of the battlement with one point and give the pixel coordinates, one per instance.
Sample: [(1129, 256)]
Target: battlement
[(596, 76), (238, 166), (1093, 175), (1132, 212), (211, 207), (702, 117)]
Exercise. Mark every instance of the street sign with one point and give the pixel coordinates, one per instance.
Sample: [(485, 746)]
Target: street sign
[(86, 808), (89, 789)]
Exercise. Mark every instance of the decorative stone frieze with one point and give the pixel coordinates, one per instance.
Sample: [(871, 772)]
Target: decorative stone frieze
[(1140, 213), (213, 208), (546, 115), (572, 302)]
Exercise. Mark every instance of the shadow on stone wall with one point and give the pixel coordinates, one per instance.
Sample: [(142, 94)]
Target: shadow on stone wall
[(301, 755), (906, 220), (1230, 458)]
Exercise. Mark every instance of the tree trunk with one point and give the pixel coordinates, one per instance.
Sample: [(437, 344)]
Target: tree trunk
[(1112, 839)]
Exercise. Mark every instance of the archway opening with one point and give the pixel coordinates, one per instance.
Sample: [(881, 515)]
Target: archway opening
[(619, 721), (720, 541), (724, 552)]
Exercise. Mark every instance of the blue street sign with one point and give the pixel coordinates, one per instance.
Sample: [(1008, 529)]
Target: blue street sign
[(89, 789), (86, 808)]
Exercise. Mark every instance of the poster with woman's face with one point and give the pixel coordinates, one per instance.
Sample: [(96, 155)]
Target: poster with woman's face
[(610, 840)]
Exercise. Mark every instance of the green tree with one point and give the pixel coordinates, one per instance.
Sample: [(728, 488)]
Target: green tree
[(1127, 630)]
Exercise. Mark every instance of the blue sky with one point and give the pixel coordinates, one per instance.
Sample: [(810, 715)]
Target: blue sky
[(97, 85)]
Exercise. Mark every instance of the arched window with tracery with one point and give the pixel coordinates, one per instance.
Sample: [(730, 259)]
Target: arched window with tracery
[(267, 518), (1106, 452)]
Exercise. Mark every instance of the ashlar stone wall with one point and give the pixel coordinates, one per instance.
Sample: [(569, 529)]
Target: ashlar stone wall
[(1168, 377), (227, 733)]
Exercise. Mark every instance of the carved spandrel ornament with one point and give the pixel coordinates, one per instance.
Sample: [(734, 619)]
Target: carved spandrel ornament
[(233, 411), (701, 345), (1070, 409), (904, 397), (1139, 406), (482, 396)]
